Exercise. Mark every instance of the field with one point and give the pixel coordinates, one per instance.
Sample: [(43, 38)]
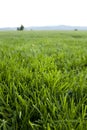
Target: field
[(43, 80)]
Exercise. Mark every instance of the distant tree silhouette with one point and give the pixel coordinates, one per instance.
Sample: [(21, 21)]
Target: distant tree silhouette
[(75, 29), (18, 28), (21, 28)]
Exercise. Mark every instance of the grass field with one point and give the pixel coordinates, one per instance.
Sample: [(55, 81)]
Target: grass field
[(43, 80)]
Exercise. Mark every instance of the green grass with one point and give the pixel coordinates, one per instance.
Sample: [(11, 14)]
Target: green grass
[(43, 80)]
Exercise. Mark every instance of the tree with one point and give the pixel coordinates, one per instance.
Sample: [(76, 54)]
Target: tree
[(75, 29), (21, 28), (18, 28)]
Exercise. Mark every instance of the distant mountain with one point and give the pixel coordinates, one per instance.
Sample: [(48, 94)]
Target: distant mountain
[(60, 27), (7, 28)]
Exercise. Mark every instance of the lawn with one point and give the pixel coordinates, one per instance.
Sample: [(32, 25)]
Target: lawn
[(43, 80)]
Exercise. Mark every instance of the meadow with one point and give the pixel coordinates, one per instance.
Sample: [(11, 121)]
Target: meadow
[(43, 80)]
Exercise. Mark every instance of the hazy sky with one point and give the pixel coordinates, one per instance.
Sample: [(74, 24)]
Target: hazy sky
[(43, 12)]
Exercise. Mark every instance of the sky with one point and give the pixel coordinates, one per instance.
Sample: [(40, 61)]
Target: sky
[(13, 13)]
